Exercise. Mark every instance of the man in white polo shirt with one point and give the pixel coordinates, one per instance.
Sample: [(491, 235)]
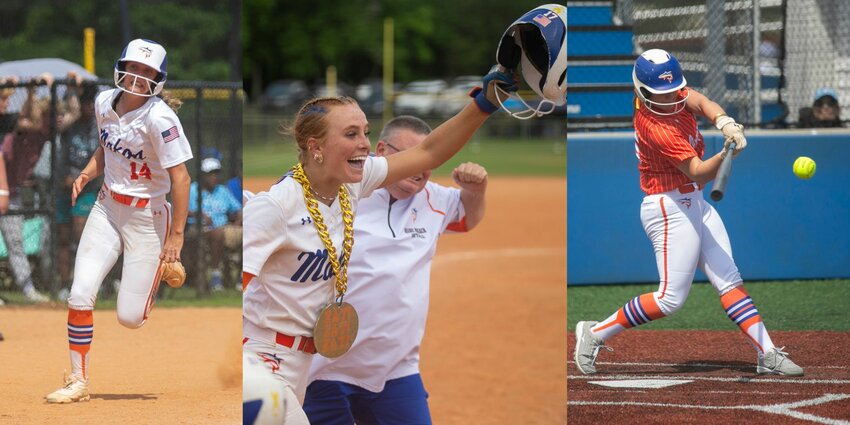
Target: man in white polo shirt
[(396, 233)]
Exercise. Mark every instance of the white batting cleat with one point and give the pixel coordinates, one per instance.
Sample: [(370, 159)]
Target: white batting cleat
[(34, 296), (75, 389), (776, 362), (587, 347)]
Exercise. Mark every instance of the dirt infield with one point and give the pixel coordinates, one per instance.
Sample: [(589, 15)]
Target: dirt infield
[(494, 346), (182, 367), (724, 387)]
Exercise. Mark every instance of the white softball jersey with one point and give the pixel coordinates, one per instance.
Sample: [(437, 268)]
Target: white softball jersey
[(281, 247), (389, 280), (140, 146)]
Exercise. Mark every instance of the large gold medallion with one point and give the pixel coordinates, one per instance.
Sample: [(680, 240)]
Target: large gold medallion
[(336, 329)]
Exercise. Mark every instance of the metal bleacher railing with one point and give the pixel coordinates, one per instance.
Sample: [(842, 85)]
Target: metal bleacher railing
[(773, 54)]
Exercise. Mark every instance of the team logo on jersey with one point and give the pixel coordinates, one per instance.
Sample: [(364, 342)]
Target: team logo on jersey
[(667, 76), (686, 202), (170, 134), (413, 213), (306, 220), (314, 266), (270, 359), (117, 148), (146, 51)]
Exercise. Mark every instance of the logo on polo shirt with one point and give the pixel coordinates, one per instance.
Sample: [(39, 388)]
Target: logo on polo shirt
[(686, 202)]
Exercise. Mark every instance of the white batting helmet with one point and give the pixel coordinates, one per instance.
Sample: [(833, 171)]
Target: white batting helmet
[(148, 53), (538, 42)]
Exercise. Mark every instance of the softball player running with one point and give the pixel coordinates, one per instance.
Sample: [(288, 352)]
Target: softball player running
[(298, 236), (142, 156), (685, 230), (397, 230)]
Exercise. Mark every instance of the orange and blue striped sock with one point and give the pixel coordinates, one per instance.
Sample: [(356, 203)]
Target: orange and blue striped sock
[(80, 333), (741, 310), (639, 310)]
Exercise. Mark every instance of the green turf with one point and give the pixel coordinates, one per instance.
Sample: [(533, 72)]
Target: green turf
[(784, 305), (168, 297), (543, 157)]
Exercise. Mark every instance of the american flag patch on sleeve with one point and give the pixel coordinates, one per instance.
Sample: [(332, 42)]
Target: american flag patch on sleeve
[(170, 134)]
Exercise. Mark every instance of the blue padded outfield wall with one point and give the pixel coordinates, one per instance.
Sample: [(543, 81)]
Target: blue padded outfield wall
[(781, 227)]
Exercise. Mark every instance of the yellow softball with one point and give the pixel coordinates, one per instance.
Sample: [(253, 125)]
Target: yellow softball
[(804, 167)]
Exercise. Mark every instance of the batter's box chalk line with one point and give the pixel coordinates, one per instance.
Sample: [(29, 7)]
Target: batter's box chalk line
[(641, 383), (784, 409), (740, 379), (696, 365)]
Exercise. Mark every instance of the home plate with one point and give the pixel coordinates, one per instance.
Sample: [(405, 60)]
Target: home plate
[(641, 383)]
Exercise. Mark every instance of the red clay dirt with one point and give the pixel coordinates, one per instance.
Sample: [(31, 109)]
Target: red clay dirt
[(722, 366), (182, 367), (494, 344)]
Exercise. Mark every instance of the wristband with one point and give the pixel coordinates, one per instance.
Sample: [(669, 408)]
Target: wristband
[(479, 96), (4, 192)]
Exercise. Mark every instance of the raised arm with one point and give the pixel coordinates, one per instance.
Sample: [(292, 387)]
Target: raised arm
[(472, 179), (447, 139), (733, 132)]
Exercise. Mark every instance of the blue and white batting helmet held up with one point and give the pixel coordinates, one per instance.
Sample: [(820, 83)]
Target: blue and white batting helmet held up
[(146, 52), (536, 43), (658, 72)]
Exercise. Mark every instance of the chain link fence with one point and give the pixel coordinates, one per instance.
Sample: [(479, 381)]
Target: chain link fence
[(762, 60), (49, 133)]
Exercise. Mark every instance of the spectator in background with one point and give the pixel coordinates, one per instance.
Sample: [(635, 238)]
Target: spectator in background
[(78, 142), (222, 217), (8, 120), (20, 151), (235, 185), (825, 111)]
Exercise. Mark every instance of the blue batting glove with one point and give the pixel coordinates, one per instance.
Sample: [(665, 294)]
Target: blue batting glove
[(485, 97)]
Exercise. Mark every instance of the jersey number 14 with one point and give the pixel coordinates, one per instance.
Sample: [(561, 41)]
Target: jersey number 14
[(144, 171)]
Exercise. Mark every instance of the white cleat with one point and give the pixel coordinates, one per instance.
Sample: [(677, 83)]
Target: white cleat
[(75, 389), (36, 297), (776, 362), (587, 348)]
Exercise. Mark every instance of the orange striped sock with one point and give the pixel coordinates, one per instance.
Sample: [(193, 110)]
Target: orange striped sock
[(639, 310), (80, 333), (741, 310)]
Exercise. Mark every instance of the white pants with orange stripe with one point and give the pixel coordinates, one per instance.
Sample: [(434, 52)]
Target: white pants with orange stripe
[(291, 367), (686, 233), (111, 229)]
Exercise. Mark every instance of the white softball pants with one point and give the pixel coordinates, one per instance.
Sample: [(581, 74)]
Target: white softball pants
[(686, 233), (111, 229), (289, 366)]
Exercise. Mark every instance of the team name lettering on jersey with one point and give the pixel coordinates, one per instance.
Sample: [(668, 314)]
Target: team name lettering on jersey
[(314, 266), (117, 148)]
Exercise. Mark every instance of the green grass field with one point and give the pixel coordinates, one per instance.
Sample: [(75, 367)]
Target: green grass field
[(499, 156), (784, 305)]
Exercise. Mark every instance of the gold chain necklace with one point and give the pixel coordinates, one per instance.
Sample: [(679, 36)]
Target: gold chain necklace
[(340, 270)]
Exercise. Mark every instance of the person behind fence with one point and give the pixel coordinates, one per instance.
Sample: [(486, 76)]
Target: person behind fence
[(78, 142), (142, 156), (8, 120), (825, 111), (222, 217), (378, 380), (21, 150)]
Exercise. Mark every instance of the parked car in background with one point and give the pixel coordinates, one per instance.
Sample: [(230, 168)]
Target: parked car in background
[(284, 95), (370, 96), (456, 96), (320, 89), (419, 98)]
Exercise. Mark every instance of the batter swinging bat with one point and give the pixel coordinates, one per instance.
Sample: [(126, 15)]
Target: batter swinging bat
[(723, 172)]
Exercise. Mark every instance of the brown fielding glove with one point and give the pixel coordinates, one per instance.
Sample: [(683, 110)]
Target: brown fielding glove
[(173, 274)]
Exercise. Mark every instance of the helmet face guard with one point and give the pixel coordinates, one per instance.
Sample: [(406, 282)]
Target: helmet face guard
[(145, 52), (659, 72), (537, 44)]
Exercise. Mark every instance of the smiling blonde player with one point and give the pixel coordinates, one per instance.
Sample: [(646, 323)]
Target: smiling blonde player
[(142, 156), (298, 235)]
